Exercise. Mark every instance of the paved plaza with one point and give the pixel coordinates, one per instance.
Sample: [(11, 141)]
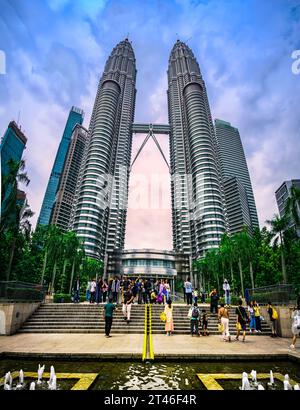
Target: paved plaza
[(130, 346)]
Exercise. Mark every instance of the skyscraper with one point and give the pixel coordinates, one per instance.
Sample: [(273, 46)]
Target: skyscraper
[(75, 117), (12, 146), (197, 203), (99, 215), (61, 213), (234, 165), (282, 194)]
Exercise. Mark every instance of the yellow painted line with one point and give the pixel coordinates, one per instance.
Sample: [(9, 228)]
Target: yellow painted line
[(210, 379), (144, 352), (84, 380), (151, 352)]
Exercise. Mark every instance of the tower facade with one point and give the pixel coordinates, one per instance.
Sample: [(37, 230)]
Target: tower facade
[(197, 202), (75, 117), (99, 215), (234, 165), (64, 199)]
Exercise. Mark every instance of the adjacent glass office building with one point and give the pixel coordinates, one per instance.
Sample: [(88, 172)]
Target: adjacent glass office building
[(12, 146), (75, 117), (239, 198)]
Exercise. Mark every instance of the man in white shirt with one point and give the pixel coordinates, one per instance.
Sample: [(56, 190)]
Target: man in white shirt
[(226, 288), (93, 290), (188, 291)]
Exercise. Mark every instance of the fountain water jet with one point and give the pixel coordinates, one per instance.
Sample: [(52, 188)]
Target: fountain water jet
[(32, 386), (21, 379)]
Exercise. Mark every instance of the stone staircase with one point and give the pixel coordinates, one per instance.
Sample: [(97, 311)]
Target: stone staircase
[(88, 318)]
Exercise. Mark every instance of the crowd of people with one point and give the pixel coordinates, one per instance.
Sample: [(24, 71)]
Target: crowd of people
[(143, 290), (128, 291)]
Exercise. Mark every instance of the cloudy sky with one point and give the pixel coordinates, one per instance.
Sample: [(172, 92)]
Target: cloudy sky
[(56, 50)]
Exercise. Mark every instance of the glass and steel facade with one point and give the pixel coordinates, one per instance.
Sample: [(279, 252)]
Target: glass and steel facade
[(99, 214), (197, 202), (64, 200), (234, 165), (75, 117), (282, 194), (12, 146)]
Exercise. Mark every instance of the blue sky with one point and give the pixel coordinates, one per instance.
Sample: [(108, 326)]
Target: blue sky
[(56, 50)]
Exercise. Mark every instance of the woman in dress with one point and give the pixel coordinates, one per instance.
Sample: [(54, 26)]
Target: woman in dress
[(169, 325), (296, 324)]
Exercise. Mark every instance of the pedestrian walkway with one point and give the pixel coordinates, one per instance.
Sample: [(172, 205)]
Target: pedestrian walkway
[(129, 346)]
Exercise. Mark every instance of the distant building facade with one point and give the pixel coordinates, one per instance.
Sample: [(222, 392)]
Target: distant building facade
[(76, 116), (64, 199), (240, 205), (282, 194)]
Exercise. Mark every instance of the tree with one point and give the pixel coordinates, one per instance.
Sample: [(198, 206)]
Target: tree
[(278, 226)]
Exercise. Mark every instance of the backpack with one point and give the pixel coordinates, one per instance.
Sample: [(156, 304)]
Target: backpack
[(195, 313), (274, 314)]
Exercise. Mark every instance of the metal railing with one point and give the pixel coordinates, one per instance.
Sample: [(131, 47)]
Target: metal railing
[(17, 291), (276, 294)]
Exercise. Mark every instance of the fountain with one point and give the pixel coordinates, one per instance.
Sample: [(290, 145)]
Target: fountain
[(8, 381), (32, 386), (245, 382), (52, 380), (271, 382), (21, 380), (40, 373), (260, 387), (254, 377), (286, 383), (296, 387)]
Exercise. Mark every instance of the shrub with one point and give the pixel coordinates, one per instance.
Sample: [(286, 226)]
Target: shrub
[(65, 298)]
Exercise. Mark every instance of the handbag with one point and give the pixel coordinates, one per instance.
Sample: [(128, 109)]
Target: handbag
[(220, 327), (163, 316), (238, 326)]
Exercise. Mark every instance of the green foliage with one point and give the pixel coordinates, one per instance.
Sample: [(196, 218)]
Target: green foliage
[(65, 298), (263, 258)]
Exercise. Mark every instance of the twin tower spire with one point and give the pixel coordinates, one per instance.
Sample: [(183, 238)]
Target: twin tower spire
[(99, 211)]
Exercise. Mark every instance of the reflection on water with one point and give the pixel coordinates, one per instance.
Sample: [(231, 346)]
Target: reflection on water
[(124, 375)]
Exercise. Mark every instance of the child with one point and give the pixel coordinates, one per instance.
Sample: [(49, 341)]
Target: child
[(204, 323), (195, 295)]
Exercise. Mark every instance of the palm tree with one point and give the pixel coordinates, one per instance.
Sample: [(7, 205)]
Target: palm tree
[(70, 249), (9, 192), (50, 235), (20, 224), (278, 226)]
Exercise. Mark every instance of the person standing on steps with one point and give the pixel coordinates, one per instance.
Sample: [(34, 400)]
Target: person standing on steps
[(214, 298), (223, 316), (115, 289), (242, 319), (273, 318), (93, 291), (104, 290), (204, 323), (88, 290), (188, 291), (257, 316), (77, 290), (99, 291), (226, 288), (127, 303), (296, 324), (169, 325), (252, 318), (108, 311), (194, 316)]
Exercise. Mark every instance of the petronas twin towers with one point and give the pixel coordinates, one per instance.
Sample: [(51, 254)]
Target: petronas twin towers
[(99, 212)]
